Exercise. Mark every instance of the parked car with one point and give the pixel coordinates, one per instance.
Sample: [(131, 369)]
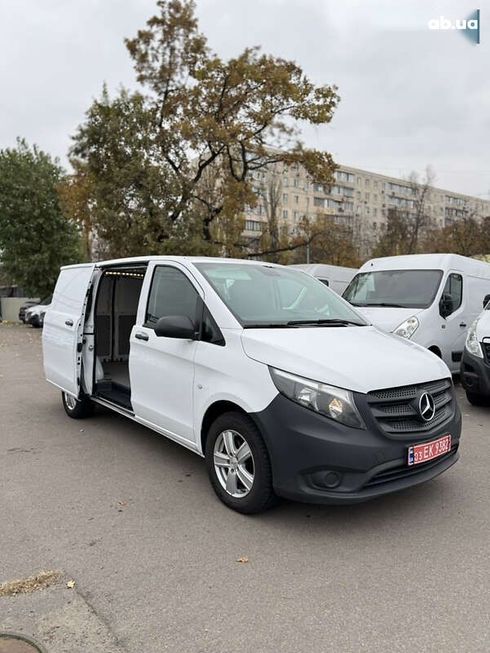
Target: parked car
[(430, 299), (273, 378), (35, 314), (24, 307), (475, 366), (335, 277)]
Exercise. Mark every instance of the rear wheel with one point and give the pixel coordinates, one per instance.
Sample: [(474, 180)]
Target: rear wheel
[(238, 464), (77, 408), (476, 399)]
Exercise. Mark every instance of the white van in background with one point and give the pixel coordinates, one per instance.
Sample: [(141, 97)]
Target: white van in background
[(431, 299), (335, 277), (475, 366)]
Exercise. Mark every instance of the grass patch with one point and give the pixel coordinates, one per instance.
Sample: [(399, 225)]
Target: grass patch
[(28, 585)]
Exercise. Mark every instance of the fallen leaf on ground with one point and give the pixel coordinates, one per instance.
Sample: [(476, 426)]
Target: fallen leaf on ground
[(243, 559), (70, 584)]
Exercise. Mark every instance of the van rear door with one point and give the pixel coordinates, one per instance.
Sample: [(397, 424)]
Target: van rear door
[(63, 327)]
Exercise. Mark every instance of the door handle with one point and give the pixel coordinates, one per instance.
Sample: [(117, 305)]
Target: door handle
[(141, 336), (69, 322), (463, 325)]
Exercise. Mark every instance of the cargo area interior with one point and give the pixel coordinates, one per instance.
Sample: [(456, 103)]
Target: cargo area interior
[(115, 315)]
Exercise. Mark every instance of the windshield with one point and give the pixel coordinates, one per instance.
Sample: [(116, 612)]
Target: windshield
[(264, 295), (401, 288)]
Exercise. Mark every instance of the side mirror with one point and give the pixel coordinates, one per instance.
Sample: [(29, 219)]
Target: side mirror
[(486, 300), (176, 326), (446, 305)]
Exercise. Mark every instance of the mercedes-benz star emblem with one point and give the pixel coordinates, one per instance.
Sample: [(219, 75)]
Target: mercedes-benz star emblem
[(427, 406)]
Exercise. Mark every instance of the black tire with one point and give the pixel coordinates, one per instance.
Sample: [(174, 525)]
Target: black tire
[(36, 323), (477, 400), (81, 408), (261, 495)]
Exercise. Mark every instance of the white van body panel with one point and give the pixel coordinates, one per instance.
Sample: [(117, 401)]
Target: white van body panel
[(63, 324), (226, 374), (337, 276), (444, 334)]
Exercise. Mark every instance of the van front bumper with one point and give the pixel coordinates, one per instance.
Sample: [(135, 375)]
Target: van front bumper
[(475, 374), (317, 460)]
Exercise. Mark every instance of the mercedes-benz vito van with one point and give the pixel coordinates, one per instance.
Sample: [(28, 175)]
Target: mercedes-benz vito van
[(273, 378), (430, 299)]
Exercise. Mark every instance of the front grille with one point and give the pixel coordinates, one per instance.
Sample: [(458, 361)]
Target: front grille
[(396, 409), (403, 471)]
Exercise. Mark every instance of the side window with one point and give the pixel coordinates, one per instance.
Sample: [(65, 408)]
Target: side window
[(452, 295), (171, 293)]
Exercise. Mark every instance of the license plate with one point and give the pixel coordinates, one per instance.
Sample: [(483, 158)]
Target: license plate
[(421, 453)]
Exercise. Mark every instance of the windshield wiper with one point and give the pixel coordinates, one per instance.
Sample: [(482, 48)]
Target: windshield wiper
[(267, 325), (384, 304), (325, 322)]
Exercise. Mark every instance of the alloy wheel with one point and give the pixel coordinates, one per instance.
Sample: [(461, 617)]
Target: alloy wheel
[(234, 463)]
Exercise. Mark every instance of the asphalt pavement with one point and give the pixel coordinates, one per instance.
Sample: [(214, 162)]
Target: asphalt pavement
[(151, 561)]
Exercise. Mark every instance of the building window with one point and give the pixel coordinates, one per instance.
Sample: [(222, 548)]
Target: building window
[(366, 182), (285, 214), (253, 225), (341, 175), (296, 199), (296, 215), (285, 181), (285, 197), (296, 182), (319, 201)]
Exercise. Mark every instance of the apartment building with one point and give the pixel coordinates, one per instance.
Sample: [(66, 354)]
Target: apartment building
[(358, 199)]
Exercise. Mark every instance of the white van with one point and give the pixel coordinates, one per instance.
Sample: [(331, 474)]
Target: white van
[(276, 380), (430, 299), (475, 366), (335, 277)]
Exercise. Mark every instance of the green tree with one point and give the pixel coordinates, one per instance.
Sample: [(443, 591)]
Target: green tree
[(151, 154), (35, 238)]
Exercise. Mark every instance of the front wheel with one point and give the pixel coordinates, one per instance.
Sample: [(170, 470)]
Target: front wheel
[(238, 464), (77, 408)]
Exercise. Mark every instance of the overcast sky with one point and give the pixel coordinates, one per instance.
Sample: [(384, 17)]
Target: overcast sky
[(409, 96)]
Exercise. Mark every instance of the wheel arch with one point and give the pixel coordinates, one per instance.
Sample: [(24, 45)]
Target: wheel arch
[(435, 350), (213, 411)]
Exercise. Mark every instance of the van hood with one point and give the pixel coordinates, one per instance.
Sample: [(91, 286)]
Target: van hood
[(356, 358), (385, 317)]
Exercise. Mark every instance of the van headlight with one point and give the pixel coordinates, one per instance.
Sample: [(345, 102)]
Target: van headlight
[(407, 329), (335, 403), (472, 344)]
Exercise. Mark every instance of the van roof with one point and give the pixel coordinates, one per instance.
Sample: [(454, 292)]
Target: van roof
[(428, 262), (146, 259)]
